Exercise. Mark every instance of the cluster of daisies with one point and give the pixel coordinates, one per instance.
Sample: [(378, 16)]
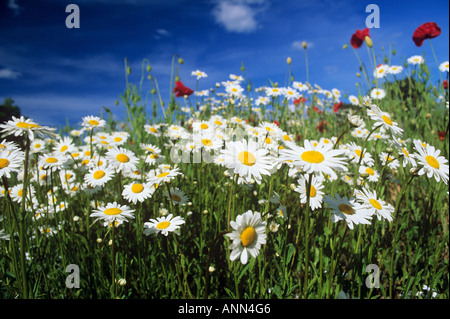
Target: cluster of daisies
[(90, 158)]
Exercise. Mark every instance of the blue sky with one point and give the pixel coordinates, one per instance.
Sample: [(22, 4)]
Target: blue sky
[(54, 73)]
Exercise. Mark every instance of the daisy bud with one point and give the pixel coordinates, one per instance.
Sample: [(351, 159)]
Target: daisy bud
[(289, 60), (76, 218), (122, 282), (242, 67), (177, 78), (368, 41), (358, 74), (428, 115), (180, 61), (110, 242), (99, 240), (205, 212), (345, 46), (149, 68), (304, 45), (211, 269)]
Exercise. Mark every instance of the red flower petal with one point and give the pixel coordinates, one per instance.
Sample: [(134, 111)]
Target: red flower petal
[(425, 31), (358, 37), (181, 90)]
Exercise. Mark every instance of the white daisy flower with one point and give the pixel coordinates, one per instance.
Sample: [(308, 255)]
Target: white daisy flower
[(247, 236), (273, 91), (113, 212), (10, 162), (431, 163), (316, 194), (199, 74), (375, 205), (381, 71), (163, 225), (371, 174), (443, 67), (99, 176), (122, 159), (377, 94), (395, 69), (383, 119), (177, 196), (415, 59), (348, 210), (91, 122), (19, 126), (392, 162), (137, 192)]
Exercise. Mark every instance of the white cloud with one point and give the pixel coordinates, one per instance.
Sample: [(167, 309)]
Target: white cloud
[(9, 74), (237, 15), (298, 45)]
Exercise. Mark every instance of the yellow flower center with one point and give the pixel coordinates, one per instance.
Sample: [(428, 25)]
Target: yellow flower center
[(286, 137), (375, 203), (117, 139), (37, 145), (204, 126), (248, 236), (137, 188), (99, 174), (370, 171), (20, 192), (405, 152), (3, 163), (346, 209), (153, 130), (432, 161), (312, 157), (163, 225), (94, 122), (27, 125), (312, 192), (122, 158), (64, 148), (163, 174), (207, 142), (51, 160), (112, 211), (358, 152), (218, 122), (247, 158), (387, 120), (176, 198)]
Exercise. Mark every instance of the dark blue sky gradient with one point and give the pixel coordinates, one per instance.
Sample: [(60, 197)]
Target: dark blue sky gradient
[(54, 73)]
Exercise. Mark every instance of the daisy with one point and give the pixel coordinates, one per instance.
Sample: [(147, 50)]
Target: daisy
[(300, 86), (354, 152), (10, 162), (37, 146), (377, 94), (122, 159), (262, 100), (315, 195), (273, 91), (161, 175), (234, 90), (163, 225), (246, 159), (407, 158), (375, 205), (16, 193), (118, 138), (113, 212), (99, 176), (391, 161), (371, 174), (383, 119), (289, 93), (201, 126), (443, 67), (137, 192), (53, 161), (353, 100), (347, 209), (91, 122), (381, 71), (178, 196), (415, 59), (64, 145), (431, 163), (314, 159), (19, 126), (247, 236), (269, 127), (395, 69), (152, 129), (199, 74)]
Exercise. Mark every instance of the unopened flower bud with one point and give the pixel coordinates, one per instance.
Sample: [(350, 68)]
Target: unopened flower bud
[(304, 45), (149, 68), (345, 46), (180, 61), (289, 60), (368, 41), (355, 120), (122, 282)]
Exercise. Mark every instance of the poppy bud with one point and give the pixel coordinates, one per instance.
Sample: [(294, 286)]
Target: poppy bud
[(368, 41), (128, 70), (149, 68), (344, 47), (242, 67), (304, 45), (394, 52), (358, 74), (180, 61), (149, 77), (177, 78), (289, 60), (153, 91)]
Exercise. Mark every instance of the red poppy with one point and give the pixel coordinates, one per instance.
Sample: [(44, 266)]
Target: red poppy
[(181, 90), (317, 110), (276, 123), (441, 135), (358, 37), (427, 30), (299, 100), (337, 106), (322, 126), (445, 84)]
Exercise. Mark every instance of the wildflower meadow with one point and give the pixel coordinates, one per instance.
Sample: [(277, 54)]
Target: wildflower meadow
[(285, 191)]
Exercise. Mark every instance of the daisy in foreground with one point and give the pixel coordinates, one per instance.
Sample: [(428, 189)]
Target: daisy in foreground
[(19, 126), (247, 236), (112, 213), (163, 225), (431, 163), (347, 209)]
